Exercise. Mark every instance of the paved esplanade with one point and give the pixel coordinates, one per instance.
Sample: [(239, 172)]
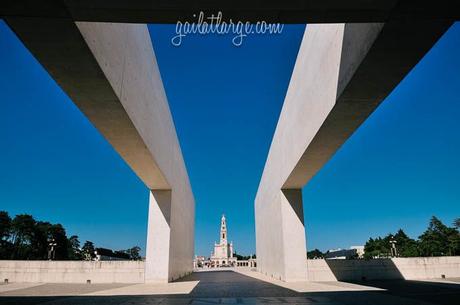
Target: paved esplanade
[(227, 287), (342, 73)]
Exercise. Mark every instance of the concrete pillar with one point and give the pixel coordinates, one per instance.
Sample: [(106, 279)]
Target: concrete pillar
[(293, 228), (342, 73), (158, 237), (280, 232)]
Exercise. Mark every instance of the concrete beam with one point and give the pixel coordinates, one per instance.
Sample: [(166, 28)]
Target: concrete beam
[(110, 72), (375, 58), (309, 99), (147, 11), (342, 73)]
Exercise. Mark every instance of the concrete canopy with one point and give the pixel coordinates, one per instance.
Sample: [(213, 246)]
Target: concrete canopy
[(110, 72), (291, 11), (342, 73)]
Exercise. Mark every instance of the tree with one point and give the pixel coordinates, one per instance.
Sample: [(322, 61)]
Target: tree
[(134, 253), (74, 250), (5, 231), (439, 240), (406, 246), (40, 239), (457, 223), (43, 234), (22, 233), (88, 251), (378, 247), (5, 226), (58, 234), (314, 254), (241, 257)]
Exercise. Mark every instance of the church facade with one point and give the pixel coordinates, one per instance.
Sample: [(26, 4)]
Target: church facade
[(222, 256)]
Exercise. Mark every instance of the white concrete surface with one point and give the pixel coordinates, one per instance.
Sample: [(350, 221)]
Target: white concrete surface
[(341, 75), (304, 286), (415, 268), (327, 60), (125, 54), (72, 271), (310, 97), (17, 286), (149, 289), (25, 274)]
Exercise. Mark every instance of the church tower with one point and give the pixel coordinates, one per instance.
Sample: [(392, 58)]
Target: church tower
[(223, 231), (223, 251)]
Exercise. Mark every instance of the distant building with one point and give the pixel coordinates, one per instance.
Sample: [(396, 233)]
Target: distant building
[(353, 252), (103, 254), (359, 250), (199, 261), (222, 256)]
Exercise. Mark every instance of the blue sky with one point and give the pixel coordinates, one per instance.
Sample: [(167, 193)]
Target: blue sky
[(397, 170)]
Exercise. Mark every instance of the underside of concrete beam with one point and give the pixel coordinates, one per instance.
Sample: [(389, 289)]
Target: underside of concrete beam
[(342, 73), (110, 72), (147, 11), (60, 48), (375, 58)]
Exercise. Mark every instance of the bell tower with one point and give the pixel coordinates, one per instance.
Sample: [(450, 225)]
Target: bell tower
[(223, 231)]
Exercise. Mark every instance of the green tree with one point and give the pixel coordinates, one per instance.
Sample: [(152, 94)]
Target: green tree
[(314, 254), (88, 251), (378, 247), (241, 257), (23, 227), (406, 246), (439, 240), (5, 225), (74, 250), (457, 223), (58, 234), (134, 253), (45, 232), (39, 240), (5, 231)]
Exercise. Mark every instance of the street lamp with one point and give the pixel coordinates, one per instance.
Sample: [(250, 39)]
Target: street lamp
[(394, 253), (51, 250)]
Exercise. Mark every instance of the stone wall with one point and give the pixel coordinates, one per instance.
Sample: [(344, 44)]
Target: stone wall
[(415, 268), (72, 271), (318, 270)]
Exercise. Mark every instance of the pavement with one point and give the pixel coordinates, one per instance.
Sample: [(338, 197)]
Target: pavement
[(244, 287)]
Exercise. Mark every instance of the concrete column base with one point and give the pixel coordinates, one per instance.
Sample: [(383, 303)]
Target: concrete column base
[(280, 232), (158, 238)]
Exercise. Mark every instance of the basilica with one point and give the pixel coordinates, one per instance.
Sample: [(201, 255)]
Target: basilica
[(222, 256)]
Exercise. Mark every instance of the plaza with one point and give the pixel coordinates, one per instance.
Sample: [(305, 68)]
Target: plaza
[(349, 61), (229, 287)]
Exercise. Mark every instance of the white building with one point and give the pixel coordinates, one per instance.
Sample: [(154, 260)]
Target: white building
[(223, 251), (352, 253)]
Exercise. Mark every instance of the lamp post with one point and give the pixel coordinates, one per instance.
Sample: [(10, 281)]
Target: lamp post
[(394, 253), (51, 250)]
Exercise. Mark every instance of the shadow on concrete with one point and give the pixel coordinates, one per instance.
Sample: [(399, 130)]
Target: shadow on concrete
[(227, 287), (230, 284), (360, 270), (443, 293)]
